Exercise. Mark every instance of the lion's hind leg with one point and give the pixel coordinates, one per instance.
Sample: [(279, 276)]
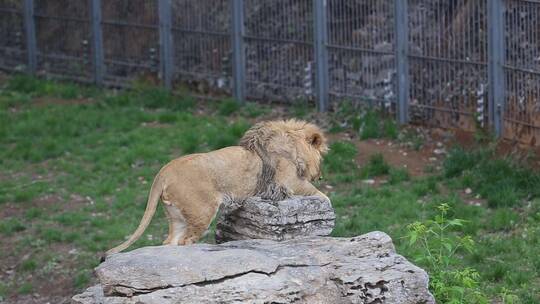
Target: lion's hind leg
[(177, 225)]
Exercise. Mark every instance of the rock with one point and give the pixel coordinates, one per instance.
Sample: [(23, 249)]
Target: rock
[(256, 218), (363, 269), (369, 181), (439, 151)]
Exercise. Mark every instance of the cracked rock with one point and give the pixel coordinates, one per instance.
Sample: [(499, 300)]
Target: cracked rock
[(363, 269), (256, 218)]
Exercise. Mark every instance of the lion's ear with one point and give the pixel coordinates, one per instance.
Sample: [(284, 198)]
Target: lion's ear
[(316, 140)]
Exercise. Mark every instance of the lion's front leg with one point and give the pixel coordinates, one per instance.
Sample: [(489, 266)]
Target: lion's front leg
[(304, 187)]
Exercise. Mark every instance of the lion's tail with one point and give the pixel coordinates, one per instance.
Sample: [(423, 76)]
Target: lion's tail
[(151, 206)]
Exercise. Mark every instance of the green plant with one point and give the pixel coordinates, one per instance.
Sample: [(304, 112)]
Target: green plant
[(10, 226), (340, 157), (439, 249), (374, 124), (398, 175), (376, 166), (25, 288), (228, 107)]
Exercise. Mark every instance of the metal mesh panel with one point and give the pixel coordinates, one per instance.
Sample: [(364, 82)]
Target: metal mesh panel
[(448, 63), (279, 49), (361, 48), (522, 36), (12, 45), (202, 43), (63, 38), (130, 40)]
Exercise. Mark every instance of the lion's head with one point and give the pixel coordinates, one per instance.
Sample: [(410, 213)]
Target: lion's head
[(300, 142)]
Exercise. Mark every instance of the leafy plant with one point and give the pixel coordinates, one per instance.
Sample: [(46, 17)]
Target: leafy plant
[(340, 158), (376, 166), (438, 251)]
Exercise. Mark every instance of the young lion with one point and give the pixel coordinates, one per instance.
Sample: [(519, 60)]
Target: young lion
[(274, 159)]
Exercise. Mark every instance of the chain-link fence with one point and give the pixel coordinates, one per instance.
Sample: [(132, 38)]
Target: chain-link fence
[(448, 63)]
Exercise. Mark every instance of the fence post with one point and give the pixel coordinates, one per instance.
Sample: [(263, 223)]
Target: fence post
[(321, 53), (239, 56), (97, 41), (402, 59), (165, 41), (496, 53), (30, 32)]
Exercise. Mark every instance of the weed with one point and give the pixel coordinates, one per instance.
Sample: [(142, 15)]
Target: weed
[(11, 225), (52, 235), (81, 279), (25, 288), (398, 175), (301, 109), (228, 107), (38, 87), (3, 291), (253, 109), (376, 166), (439, 248), (411, 138), (500, 181), (28, 265), (373, 124), (340, 157), (33, 213)]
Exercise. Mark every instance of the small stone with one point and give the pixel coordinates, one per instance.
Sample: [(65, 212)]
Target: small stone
[(369, 181), (432, 159), (439, 144), (405, 154), (439, 151), (329, 187), (468, 191)]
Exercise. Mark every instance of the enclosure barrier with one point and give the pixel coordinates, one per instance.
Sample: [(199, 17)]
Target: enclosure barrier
[(450, 63)]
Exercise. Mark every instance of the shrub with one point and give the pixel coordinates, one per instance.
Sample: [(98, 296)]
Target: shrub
[(376, 166), (438, 249), (340, 158)]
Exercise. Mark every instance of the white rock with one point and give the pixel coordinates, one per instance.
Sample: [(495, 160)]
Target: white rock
[(363, 269)]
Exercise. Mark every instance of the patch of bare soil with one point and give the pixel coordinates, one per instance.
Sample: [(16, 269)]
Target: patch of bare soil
[(52, 283), (11, 209), (397, 156), (45, 101)]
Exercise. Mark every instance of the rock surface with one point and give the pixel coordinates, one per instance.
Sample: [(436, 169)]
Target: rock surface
[(363, 269), (256, 218)]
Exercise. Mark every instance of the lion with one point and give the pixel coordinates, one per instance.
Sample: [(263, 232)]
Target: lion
[(274, 159)]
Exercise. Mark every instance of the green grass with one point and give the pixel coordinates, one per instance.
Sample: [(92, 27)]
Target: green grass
[(376, 166), (97, 161), (374, 124), (501, 182)]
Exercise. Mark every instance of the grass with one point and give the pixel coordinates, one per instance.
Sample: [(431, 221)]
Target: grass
[(79, 174), (376, 166), (501, 182)]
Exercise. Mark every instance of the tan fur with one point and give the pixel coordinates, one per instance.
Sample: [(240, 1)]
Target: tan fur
[(273, 157)]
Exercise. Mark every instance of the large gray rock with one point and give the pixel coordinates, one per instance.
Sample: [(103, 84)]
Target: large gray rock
[(257, 218), (363, 269)]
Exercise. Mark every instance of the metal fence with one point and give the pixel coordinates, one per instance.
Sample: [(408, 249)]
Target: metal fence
[(451, 63)]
